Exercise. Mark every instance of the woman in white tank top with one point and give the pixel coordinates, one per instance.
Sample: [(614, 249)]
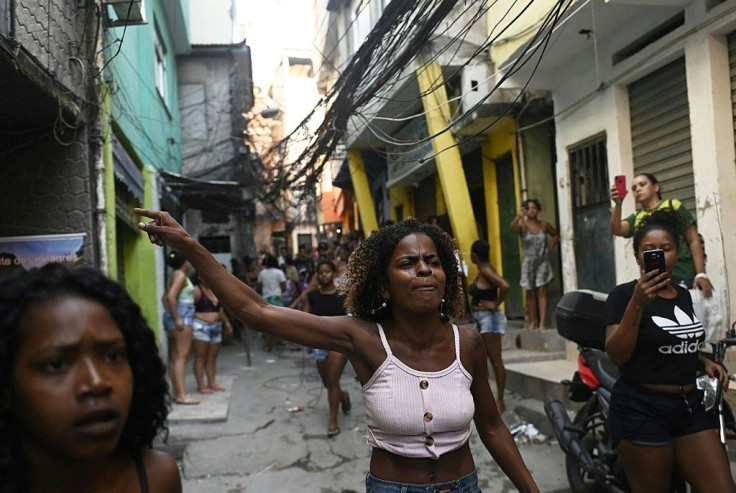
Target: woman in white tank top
[(424, 380)]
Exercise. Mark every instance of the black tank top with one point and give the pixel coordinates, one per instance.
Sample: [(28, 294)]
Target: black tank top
[(205, 305), (331, 305), (479, 295), (141, 470)]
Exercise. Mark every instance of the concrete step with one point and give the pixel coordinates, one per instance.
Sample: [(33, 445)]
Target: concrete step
[(537, 379), (547, 340), (526, 356)]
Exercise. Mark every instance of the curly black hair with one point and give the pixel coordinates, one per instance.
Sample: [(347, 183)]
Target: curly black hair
[(151, 401), (665, 219), (367, 270)]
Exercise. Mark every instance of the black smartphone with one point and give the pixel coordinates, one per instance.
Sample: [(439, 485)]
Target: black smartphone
[(654, 259)]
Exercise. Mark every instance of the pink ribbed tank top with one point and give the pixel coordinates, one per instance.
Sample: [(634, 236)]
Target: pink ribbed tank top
[(415, 413)]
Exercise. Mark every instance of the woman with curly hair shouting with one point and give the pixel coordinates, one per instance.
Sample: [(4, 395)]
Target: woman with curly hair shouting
[(424, 380)]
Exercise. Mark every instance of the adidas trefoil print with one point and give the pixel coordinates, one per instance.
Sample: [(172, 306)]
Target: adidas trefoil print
[(684, 327)]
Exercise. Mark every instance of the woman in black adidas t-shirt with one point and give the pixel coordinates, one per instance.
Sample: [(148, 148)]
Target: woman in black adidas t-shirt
[(657, 420)]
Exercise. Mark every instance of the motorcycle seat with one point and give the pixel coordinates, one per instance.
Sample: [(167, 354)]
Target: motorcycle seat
[(603, 368)]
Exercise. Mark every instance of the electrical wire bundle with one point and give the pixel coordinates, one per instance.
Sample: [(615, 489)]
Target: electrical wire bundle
[(408, 30)]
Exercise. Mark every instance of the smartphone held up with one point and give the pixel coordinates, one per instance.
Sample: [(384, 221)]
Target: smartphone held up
[(619, 182), (654, 260)]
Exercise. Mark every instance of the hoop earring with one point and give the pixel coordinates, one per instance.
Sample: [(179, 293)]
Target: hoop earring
[(376, 310), (442, 309)]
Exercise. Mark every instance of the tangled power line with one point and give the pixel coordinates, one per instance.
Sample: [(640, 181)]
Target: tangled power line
[(406, 31)]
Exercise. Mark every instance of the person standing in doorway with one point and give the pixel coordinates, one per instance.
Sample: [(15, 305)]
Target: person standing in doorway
[(487, 292), (536, 269)]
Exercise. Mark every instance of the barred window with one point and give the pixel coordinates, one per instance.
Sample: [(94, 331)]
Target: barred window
[(589, 172)]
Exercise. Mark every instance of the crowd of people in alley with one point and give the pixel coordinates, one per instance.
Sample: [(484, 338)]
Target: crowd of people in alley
[(389, 306)]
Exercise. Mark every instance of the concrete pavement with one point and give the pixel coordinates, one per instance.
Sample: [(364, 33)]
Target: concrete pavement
[(263, 446)]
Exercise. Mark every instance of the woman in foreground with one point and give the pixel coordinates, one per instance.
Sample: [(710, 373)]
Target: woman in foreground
[(424, 380), (82, 388)]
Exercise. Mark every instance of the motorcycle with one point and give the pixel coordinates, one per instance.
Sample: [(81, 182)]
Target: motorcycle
[(591, 464)]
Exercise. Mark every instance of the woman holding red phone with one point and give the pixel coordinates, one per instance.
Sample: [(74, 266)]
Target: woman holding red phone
[(690, 268), (656, 418)]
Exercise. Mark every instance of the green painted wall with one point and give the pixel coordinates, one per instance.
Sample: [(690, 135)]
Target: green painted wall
[(140, 263), (147, 123), (149, 127)]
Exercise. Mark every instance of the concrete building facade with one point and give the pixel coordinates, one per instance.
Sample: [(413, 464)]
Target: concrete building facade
[(640, 87)]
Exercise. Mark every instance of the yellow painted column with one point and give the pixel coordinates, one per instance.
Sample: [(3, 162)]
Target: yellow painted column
[(439, 196), (448, 160), (362, 192)]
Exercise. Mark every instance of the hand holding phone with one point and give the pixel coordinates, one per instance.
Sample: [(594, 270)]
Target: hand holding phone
[(654, 260), (619, 182)]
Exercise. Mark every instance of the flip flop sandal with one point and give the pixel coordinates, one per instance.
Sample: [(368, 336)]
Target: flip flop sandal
[(187, 400), (332, 433), (218, 388), (205, 390)]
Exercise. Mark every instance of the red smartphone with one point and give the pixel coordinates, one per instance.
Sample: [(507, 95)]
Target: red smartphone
[(620, 182)]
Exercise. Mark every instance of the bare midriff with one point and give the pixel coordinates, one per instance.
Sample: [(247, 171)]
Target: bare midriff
[(450, 466)]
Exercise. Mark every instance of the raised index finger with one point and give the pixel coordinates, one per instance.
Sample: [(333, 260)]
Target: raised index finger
[(145, 212)]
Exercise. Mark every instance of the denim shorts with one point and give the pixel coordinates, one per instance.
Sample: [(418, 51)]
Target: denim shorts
[(466, 484), (320, 354), (186, 313), (649, 417), (207, 332), (490, 321)]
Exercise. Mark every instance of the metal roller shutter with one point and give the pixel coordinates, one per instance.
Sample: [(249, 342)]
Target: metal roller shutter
[(660, 131), (732, 71)]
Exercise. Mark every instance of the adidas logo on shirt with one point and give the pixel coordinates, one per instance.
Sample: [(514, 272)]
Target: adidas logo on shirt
[(684, 327)]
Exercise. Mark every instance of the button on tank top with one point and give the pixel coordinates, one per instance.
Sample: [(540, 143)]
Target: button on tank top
[(419, 414)]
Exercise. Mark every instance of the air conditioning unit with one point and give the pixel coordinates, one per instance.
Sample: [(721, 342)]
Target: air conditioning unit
[(125, 12), (476, 82)]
